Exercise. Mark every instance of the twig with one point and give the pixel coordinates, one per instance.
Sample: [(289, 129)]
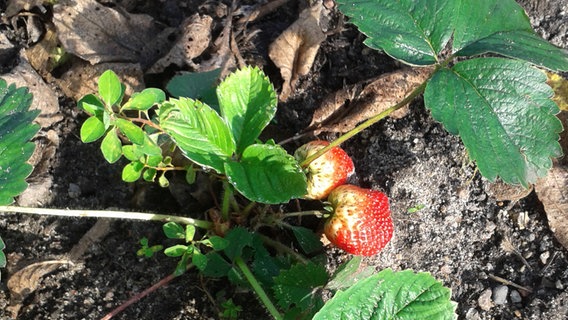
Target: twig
[(139, 296), (509, 283)]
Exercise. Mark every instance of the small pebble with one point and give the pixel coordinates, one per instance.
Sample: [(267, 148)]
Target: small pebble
[(516, 297), (472, 314), (74, 191), (544, 257), (484, 300), (559, 285), (500, 295)]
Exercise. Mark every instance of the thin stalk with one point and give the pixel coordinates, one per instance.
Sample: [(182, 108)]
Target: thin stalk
[(108, 214), (316, 213), (369, 122), (227, 195), (258, 289), (281, 247)]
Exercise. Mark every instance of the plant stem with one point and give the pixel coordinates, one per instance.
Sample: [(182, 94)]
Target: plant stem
[(303, 213), (369, 122), (281, 247), (227, 195), (108, 214), (258, 289)]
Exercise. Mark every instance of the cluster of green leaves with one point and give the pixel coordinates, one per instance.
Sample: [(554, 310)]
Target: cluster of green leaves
[(500, 107), (223, 141)]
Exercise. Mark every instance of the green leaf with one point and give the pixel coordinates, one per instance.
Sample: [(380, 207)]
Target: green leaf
[(349, 273), (475, 20), (190, 175), (195, 85), (248, 103), (238, 238), (144, 100), (412, 31), (295, 287), (92, 105), (216, 242), (307, 240), (16, 131), (200, 133), (189, 232), (392, 295), (149, 174), (163, 181), (110, 88), (502, 111), (199, 260), (92, 129), (520, 44), (173, 230), (133, 132), (176, 251), (132, 152), (132, 171), (267, 174), (111, 147), (2, 255), (216, 265)]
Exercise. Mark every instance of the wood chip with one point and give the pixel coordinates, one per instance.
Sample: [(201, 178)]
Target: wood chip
[(552, 191)]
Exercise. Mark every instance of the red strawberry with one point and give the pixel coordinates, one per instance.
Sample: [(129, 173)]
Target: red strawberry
[(361, 223), (326, 172)]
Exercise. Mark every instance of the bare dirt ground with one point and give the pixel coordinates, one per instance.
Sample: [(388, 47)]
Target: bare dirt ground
[(499, 257)]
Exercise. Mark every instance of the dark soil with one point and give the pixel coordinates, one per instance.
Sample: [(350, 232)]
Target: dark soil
[(462, 235)]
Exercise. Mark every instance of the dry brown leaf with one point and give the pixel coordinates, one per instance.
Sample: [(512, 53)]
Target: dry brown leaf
[(552, 191), (343, 110), (82, 78), (27, 280), (194, 39), (100, 34), (15, 6), (501, 191), (294, 51)]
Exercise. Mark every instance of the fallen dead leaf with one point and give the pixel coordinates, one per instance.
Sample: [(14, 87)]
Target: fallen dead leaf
[(15, 6), (501, 191), (341, 111), (98, 34), (194, 39), (82, 78), (552, 191), (27, 280), (294, 51)]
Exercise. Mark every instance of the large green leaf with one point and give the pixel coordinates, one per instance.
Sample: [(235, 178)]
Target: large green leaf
[(295, 287), (520, 44), (502, 111), (414, 31), (267, 174), (477, 19), (16, 130), (391, 295), (196, 85), (200, 133), (248, 103)]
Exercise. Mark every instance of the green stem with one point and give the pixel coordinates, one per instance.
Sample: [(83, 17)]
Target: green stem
[(369, 122), (258, 288), (316, 213), (281, 247), (227, 195), (108, 214)]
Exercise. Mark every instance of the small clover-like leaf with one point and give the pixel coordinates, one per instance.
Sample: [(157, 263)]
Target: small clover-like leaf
[(92, 105), (110, 88), (176, 251), (92, 129), (132, 171), (267, 174), (216, 242), (111, 147), (144, 100), (133, 132), (199, 260), (173, 230)]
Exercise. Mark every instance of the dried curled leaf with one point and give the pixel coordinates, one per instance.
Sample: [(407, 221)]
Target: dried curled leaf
[(194, 39), (343, 110), (294, 51), (552, 191)]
